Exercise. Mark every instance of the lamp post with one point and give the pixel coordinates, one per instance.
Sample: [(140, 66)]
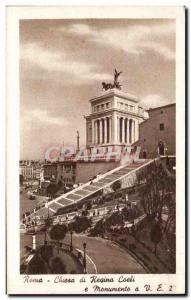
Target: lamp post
[(126, 199), (84, 245), (35, 222), (71, 246), (46, 224)]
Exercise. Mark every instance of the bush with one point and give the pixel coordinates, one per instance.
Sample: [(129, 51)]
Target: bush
[(132, 247), (80, 224), (58, 232), (88, 206), (46, 252), (122, 240), (98, 229), (116, 185), (37, 266), (58, 267), (114, 219)]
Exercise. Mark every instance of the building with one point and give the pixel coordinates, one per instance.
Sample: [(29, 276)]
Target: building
[(114, 119), (30, 169), (50, 171), (157, 134), (28, 172), (66, 172), (60, 172)]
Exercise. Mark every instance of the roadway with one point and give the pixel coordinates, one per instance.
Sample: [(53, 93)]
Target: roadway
[(106, 257), (103, 257)]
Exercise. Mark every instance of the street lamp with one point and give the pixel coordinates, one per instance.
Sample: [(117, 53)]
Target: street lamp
[(71, 247), (84, 245), (126, 199), (46, 224)]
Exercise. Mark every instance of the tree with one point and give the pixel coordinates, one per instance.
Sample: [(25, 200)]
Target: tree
[(46, 253), (88, 205), (115, 219), (98, 229), (48, 222), (37, 266), (58, 232), (116, 185), (58, 266), (51, 190), (155, 183), (156, 235), (80, 224)]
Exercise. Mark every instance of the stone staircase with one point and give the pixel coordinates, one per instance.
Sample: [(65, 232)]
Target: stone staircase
[(81, 193)]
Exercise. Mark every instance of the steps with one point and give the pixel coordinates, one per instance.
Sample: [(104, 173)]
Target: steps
[(80, 194)]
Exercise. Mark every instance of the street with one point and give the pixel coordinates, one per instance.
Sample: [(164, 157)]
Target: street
[(102, 255), (108, 257), (28, 205)]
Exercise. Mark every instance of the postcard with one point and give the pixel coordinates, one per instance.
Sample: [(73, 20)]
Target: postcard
[(95, 150)]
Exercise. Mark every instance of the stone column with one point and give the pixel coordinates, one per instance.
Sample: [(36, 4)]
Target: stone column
[(92, 137), (118, 129), (123, 129), (136, 130), (101, 130), (98, 131), (133, 131), (110, 129), (128, 131), (115, 128), (95, 132), (105, 130), (130, 128)]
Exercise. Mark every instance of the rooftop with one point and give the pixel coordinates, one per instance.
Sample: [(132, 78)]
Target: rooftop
[(159, 107), (115, 92)]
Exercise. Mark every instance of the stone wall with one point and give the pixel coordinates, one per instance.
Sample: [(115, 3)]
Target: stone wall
[(87, 170), (150, 133)]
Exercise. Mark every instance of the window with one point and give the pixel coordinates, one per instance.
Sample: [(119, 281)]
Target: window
[(98, 108), (107, 105), (102, 106), (161, 111), (161, 126)]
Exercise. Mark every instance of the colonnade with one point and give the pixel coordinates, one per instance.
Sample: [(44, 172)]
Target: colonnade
[(101, 130), (126, 130)]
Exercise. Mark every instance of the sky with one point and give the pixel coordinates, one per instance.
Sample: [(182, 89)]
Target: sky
[(62, 65)]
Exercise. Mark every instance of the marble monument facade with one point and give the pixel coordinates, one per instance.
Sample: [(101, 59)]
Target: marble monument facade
[(114, 119)]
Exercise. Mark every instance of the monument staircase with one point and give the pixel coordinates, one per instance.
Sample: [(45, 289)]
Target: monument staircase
[(81, 194)]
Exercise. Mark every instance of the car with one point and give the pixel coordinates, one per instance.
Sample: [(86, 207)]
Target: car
[(32, 197)]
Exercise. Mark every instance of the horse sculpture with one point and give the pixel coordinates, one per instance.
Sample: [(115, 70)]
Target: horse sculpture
[(108, 86)]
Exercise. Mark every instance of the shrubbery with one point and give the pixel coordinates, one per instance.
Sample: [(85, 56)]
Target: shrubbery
[(80, 224)]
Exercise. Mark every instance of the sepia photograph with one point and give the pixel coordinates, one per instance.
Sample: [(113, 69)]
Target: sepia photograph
[(97, 149)]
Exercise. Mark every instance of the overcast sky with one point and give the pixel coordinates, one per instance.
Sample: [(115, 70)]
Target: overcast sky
[(63, 63)]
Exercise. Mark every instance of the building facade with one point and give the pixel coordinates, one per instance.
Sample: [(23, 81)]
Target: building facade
[(114, 119), (28, 172), (50, 171), (66, 172), (157, 134)]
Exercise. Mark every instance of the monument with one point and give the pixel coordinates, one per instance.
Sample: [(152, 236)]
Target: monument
[(115, 117)]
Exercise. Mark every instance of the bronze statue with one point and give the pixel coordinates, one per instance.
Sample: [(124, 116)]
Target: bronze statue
[(108, 86), (116, 75)]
